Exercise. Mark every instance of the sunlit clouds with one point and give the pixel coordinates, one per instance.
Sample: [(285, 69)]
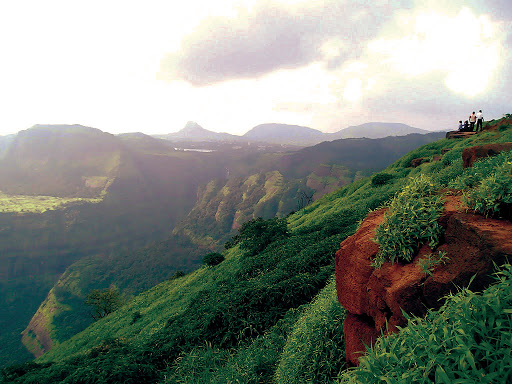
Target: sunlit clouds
[(465, 47), (232, 64)]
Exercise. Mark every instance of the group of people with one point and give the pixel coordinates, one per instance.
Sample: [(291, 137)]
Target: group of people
[(469, 124)]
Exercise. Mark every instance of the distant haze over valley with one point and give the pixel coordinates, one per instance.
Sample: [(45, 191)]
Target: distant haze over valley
[(83, 209)]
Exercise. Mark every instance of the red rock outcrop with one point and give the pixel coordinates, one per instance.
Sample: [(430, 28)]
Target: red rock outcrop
[(376, 297), (472, 154)]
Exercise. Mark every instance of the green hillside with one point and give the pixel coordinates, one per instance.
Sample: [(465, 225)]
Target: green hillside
[(72, 192), (222, 206), (269, 314)]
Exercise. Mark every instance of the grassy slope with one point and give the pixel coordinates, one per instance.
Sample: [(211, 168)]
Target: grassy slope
[(235, 320)]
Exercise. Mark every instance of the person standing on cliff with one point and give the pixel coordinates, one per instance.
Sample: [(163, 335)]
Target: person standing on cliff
[(472, 121), (479, 120)]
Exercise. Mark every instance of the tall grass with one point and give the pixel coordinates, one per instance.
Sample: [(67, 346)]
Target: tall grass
[(315, 350), (410, 221)]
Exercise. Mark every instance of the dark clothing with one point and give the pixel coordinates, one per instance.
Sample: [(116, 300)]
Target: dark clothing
[(479, 123), (472, 126)]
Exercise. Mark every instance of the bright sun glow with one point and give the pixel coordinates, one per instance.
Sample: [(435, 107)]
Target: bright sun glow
[(353, 90), (464, 47)]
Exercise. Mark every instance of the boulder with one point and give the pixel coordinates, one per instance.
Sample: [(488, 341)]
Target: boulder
[(418, 161), (472, 154), (376, 297)]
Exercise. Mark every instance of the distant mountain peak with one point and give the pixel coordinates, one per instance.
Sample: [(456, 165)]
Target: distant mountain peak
[(193, 127), (194, 132)]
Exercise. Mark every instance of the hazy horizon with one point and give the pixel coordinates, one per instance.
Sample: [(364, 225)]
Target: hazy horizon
[(206, 128)]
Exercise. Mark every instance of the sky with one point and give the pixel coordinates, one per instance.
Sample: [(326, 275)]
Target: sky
[(150, 66)]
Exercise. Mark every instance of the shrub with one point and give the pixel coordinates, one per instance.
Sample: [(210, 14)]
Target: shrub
[(493, 195), (136, 316), (410, 221), (213, 259), (483, 168), (487, 185), (430, 261), (177, 275), (381, 179)]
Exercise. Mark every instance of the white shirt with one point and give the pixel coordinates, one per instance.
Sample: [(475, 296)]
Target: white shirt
[(479, 115)]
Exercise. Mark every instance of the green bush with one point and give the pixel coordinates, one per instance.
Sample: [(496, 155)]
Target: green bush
[(487, 185), (212, 259), (430, 261), (483, 168), (467, 341), (136, 316), (177, 275), (381, 179), (493, 194), (410, 221)]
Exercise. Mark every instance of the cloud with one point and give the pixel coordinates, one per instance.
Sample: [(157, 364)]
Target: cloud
[(430, 65), (273, 36)]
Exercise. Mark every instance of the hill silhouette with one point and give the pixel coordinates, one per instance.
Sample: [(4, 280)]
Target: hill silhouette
[(290, 135)]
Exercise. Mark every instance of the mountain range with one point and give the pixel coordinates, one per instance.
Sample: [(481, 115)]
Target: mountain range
[(292, 134)]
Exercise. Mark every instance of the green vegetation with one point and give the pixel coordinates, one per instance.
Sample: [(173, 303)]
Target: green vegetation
[(315, 350), (104, 301), (487, 186), (212, 259), (268, 313), (468, 340), (255, 235), (38, 204), (381, 179), (410, 221), (429, 262)]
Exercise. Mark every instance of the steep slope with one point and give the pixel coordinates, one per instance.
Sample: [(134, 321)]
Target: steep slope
[(287, 182), (223, 205), (42, 235)]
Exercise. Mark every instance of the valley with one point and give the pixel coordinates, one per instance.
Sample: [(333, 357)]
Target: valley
[(130, 210), (269, 312)]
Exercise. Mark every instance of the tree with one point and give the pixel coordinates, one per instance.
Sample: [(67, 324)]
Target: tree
[(213, 259), (104, 301)]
